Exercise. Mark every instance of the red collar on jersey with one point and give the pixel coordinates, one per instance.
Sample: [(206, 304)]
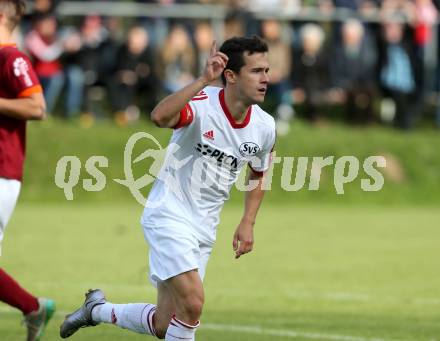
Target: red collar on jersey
[(229, 116)]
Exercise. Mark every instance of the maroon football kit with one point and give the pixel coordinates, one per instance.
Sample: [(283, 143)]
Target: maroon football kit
[(17, 80)]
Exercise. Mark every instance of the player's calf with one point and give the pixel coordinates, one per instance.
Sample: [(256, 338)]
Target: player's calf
[(161, 323), (186, 320), (187, 290), (188, 293)]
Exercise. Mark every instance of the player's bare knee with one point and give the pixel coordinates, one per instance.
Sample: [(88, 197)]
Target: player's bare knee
[(192, 307)]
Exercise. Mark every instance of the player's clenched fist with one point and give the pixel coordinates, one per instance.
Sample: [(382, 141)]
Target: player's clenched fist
[(215, 64)]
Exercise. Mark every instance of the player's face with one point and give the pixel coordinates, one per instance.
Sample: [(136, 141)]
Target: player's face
[(253, 77)]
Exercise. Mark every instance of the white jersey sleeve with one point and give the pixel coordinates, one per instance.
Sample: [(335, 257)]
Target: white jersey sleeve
[(260, 163)]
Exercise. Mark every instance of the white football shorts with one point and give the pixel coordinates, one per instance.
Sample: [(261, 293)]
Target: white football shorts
[(175, 250), (9, 191)]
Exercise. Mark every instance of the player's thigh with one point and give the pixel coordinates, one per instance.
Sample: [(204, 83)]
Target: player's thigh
[(187, 289)]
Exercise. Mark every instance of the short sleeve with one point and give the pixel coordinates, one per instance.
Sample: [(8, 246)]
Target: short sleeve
[(22, 78), (191, 109), (261, 162)]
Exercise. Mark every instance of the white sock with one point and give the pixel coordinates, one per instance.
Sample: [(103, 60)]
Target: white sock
[(137, 317), (178, 330)]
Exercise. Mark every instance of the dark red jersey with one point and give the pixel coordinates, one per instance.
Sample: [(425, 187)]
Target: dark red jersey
[(17, 80)]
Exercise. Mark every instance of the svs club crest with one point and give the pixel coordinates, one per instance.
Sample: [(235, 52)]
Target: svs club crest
[(249, 149)]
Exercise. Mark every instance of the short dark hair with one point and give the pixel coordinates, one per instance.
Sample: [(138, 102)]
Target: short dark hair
[(14, 10), (235, 47)]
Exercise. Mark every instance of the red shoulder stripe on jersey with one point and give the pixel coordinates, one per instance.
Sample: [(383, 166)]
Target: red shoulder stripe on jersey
[(36, 89), (199, 98), (186, 117)]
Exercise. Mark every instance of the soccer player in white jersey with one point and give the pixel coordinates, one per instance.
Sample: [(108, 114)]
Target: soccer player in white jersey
[(218, 131)]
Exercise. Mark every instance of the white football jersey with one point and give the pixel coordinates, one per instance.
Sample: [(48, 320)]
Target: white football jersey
[(207, 151)]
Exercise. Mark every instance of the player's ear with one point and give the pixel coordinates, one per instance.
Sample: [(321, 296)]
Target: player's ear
[(230, 76)]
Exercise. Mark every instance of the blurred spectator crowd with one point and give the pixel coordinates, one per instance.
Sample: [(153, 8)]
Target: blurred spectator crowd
[(376, 63)]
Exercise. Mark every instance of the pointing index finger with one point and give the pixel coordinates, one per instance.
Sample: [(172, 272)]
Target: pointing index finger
[(213, 48)]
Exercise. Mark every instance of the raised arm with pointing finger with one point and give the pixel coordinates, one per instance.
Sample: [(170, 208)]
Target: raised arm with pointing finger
[(166, 113)]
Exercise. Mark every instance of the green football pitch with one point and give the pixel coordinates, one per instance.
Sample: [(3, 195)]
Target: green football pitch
[(317, 273)]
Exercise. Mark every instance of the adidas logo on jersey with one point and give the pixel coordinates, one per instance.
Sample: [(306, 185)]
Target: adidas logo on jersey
[(209, 135), (221, 157)]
